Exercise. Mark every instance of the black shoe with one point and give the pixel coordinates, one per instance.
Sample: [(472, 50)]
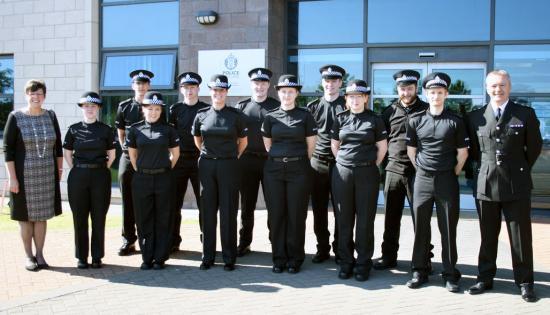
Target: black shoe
[(344, 274), (320, 257), (361, 276), (175, 249), (96, 263), (158, 265), (417, 281), (293, 269), (31, 264), (452, 286), (480, 287), (528, 292), (126, 249), (146, 266), (277, 269), (229, 267), (243, 250), (384, 263), (205, 265), (82, 264)]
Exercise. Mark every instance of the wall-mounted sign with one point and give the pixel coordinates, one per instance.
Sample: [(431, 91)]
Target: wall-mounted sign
[(234, 63)]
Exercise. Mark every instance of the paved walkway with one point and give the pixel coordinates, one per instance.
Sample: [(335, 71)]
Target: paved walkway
[(252, 288)]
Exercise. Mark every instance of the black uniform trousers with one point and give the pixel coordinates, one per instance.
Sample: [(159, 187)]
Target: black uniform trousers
[(89, 191), (125, 175), (186, 170), (219, 180), (517, 214), (397, 187), (441, 188), (356, 195), (320, 194), (153, 204), (287, 186), (252, 166)]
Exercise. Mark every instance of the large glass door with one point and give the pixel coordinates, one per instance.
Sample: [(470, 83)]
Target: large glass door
[(467, 89)]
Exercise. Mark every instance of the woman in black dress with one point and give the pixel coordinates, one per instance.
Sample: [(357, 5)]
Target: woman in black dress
[(34, 160), (359, 145), (220, 135), (153, 148), (289, 134), (89, 149)]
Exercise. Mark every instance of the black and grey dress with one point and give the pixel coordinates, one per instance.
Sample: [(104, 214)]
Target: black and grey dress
[(34, 144)]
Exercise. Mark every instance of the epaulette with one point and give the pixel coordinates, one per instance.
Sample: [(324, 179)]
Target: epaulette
[(125, 102), (244, 100), (138, 123), (302, 108), (234, 109), (314, 102), (347, 111), (203, 109)]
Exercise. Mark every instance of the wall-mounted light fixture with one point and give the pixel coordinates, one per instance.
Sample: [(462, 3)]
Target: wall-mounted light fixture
[(207, 17)]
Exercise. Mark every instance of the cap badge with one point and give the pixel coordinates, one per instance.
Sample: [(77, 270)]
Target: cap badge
[(155, 98), (287, 81), (187, 77)]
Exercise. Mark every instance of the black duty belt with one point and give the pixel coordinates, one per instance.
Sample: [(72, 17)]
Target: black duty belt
[(369, 163), (95, 165), (258, 154), (218, 158), (326, 158), (153, 171), (288, 159)]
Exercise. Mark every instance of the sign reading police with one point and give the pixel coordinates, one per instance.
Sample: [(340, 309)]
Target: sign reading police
[(234, 63)]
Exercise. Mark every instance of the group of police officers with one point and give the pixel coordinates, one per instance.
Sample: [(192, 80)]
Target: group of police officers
[(222, 151)]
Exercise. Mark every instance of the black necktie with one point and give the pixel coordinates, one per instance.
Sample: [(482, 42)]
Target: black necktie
[(498, 114)]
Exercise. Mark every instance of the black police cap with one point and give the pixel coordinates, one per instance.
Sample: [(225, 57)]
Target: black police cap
[(153, 98), (219, 81), (357, 87), (332, 72), (191, 78), (288, 80), (436, 79), (90, 97), (406, 77), (260, 74), (141, 75)]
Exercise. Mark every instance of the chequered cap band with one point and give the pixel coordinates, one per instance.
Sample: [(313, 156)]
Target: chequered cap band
[(141, 75), (154, 101), (218, 84), (406, 78), (259, 76), (436, 81), (189, 80), (89, 99), (331, 73), (288, 83), (357, 88)]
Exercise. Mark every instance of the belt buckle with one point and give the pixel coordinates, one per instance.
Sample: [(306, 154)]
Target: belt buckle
[(285, 159)]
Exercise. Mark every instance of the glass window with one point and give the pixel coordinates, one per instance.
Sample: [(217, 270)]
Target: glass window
[(117, 67), (325, 22), (391, 21), (6, 89), (528, 65), (146, 24), (527, 19), (305, 63), (465, 81)]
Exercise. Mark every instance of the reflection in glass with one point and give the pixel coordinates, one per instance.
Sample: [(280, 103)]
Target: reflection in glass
[(391, 21), (379, 103), (526, 19), (305, 63), (463, 105), (147, 24), (465, 81), (528, 65), (6, 75), (117, 68), (325, 22), (384, 84), (6, 106)]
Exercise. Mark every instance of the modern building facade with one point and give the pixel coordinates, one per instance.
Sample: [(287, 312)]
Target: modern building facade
[(78, 45)]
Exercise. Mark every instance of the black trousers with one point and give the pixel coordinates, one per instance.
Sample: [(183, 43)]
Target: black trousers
[(154, 204), (517, 214), (320, 195), (397, 187), (219, 180), (287, 187), (125, 175), (186, 170), (252, 167), (356, 194), (89, 192), (440, 188)]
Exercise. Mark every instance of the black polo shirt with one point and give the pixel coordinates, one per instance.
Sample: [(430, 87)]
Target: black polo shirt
[(220, 130), (436, 138), (288, 131), (152, 141), (396, 118), (255, 114), (181, 117), (89, 142), (358, 134), (324, 113)]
